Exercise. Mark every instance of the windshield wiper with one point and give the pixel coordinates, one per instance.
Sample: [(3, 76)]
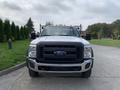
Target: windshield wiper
[(64, 35), (46, 35)]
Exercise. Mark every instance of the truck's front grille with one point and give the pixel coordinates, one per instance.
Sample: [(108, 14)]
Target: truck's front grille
[(60, 53)]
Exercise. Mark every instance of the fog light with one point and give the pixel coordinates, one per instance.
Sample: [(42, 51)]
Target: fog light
[(87, 65), (31, 65)]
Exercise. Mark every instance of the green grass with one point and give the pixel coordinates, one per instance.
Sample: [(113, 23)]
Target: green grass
[(106, 42), (11, 57)]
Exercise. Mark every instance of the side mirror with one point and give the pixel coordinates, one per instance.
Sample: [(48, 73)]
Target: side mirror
[(88, 37), (33, 36)]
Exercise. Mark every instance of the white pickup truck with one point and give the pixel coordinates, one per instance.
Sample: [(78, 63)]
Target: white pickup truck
[(60, 49)]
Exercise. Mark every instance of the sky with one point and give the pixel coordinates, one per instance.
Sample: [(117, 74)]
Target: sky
[(69, 12)]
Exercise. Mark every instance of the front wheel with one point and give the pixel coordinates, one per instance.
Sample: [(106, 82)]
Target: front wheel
[(86, 74), (33, 73)]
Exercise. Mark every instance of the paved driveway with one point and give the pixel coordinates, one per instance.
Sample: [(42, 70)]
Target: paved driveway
[(105, 76)]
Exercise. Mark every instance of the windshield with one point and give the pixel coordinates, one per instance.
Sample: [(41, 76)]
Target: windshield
[(59, 31)]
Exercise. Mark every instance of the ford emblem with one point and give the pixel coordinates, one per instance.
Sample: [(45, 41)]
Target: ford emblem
[(60, 53)]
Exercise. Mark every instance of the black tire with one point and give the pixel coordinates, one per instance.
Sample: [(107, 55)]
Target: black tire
[(86, 74), (33, 74)]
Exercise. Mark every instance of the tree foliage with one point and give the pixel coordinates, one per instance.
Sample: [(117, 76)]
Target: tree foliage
[(30, 25), (17, 32), (7, 29), (11, 31), (104, 30), (1, 31)]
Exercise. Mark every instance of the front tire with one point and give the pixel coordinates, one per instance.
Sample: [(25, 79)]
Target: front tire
[(33, 74), (86, 74)]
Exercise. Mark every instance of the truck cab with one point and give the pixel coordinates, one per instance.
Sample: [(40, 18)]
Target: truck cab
[(60, 49)]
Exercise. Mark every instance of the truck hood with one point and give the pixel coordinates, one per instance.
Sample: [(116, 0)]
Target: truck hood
[(59, 39)]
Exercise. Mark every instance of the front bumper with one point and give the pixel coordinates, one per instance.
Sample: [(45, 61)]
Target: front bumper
[(71, 68)]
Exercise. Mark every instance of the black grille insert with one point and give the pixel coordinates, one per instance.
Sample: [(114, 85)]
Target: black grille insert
[(73, 52), (51, 68)]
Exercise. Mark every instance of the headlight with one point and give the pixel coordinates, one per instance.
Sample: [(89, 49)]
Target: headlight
[(87, 51), (32, 51)]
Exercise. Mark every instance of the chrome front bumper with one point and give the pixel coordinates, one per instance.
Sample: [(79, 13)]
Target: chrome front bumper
[(82, 65)]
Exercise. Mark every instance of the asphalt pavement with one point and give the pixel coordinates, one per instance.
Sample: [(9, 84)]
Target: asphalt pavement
[(105, 76)]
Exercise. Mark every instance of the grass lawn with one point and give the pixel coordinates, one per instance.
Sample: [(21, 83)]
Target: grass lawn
[(106, 42), (14, 56)]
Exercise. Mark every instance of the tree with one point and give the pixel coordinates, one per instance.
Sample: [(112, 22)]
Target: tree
[(22, 33), (7, 30), (30, 25), (100, 30), (1, 31), (17, 33), (26, 32), (94, 30), (13, 31), (115, 33)]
